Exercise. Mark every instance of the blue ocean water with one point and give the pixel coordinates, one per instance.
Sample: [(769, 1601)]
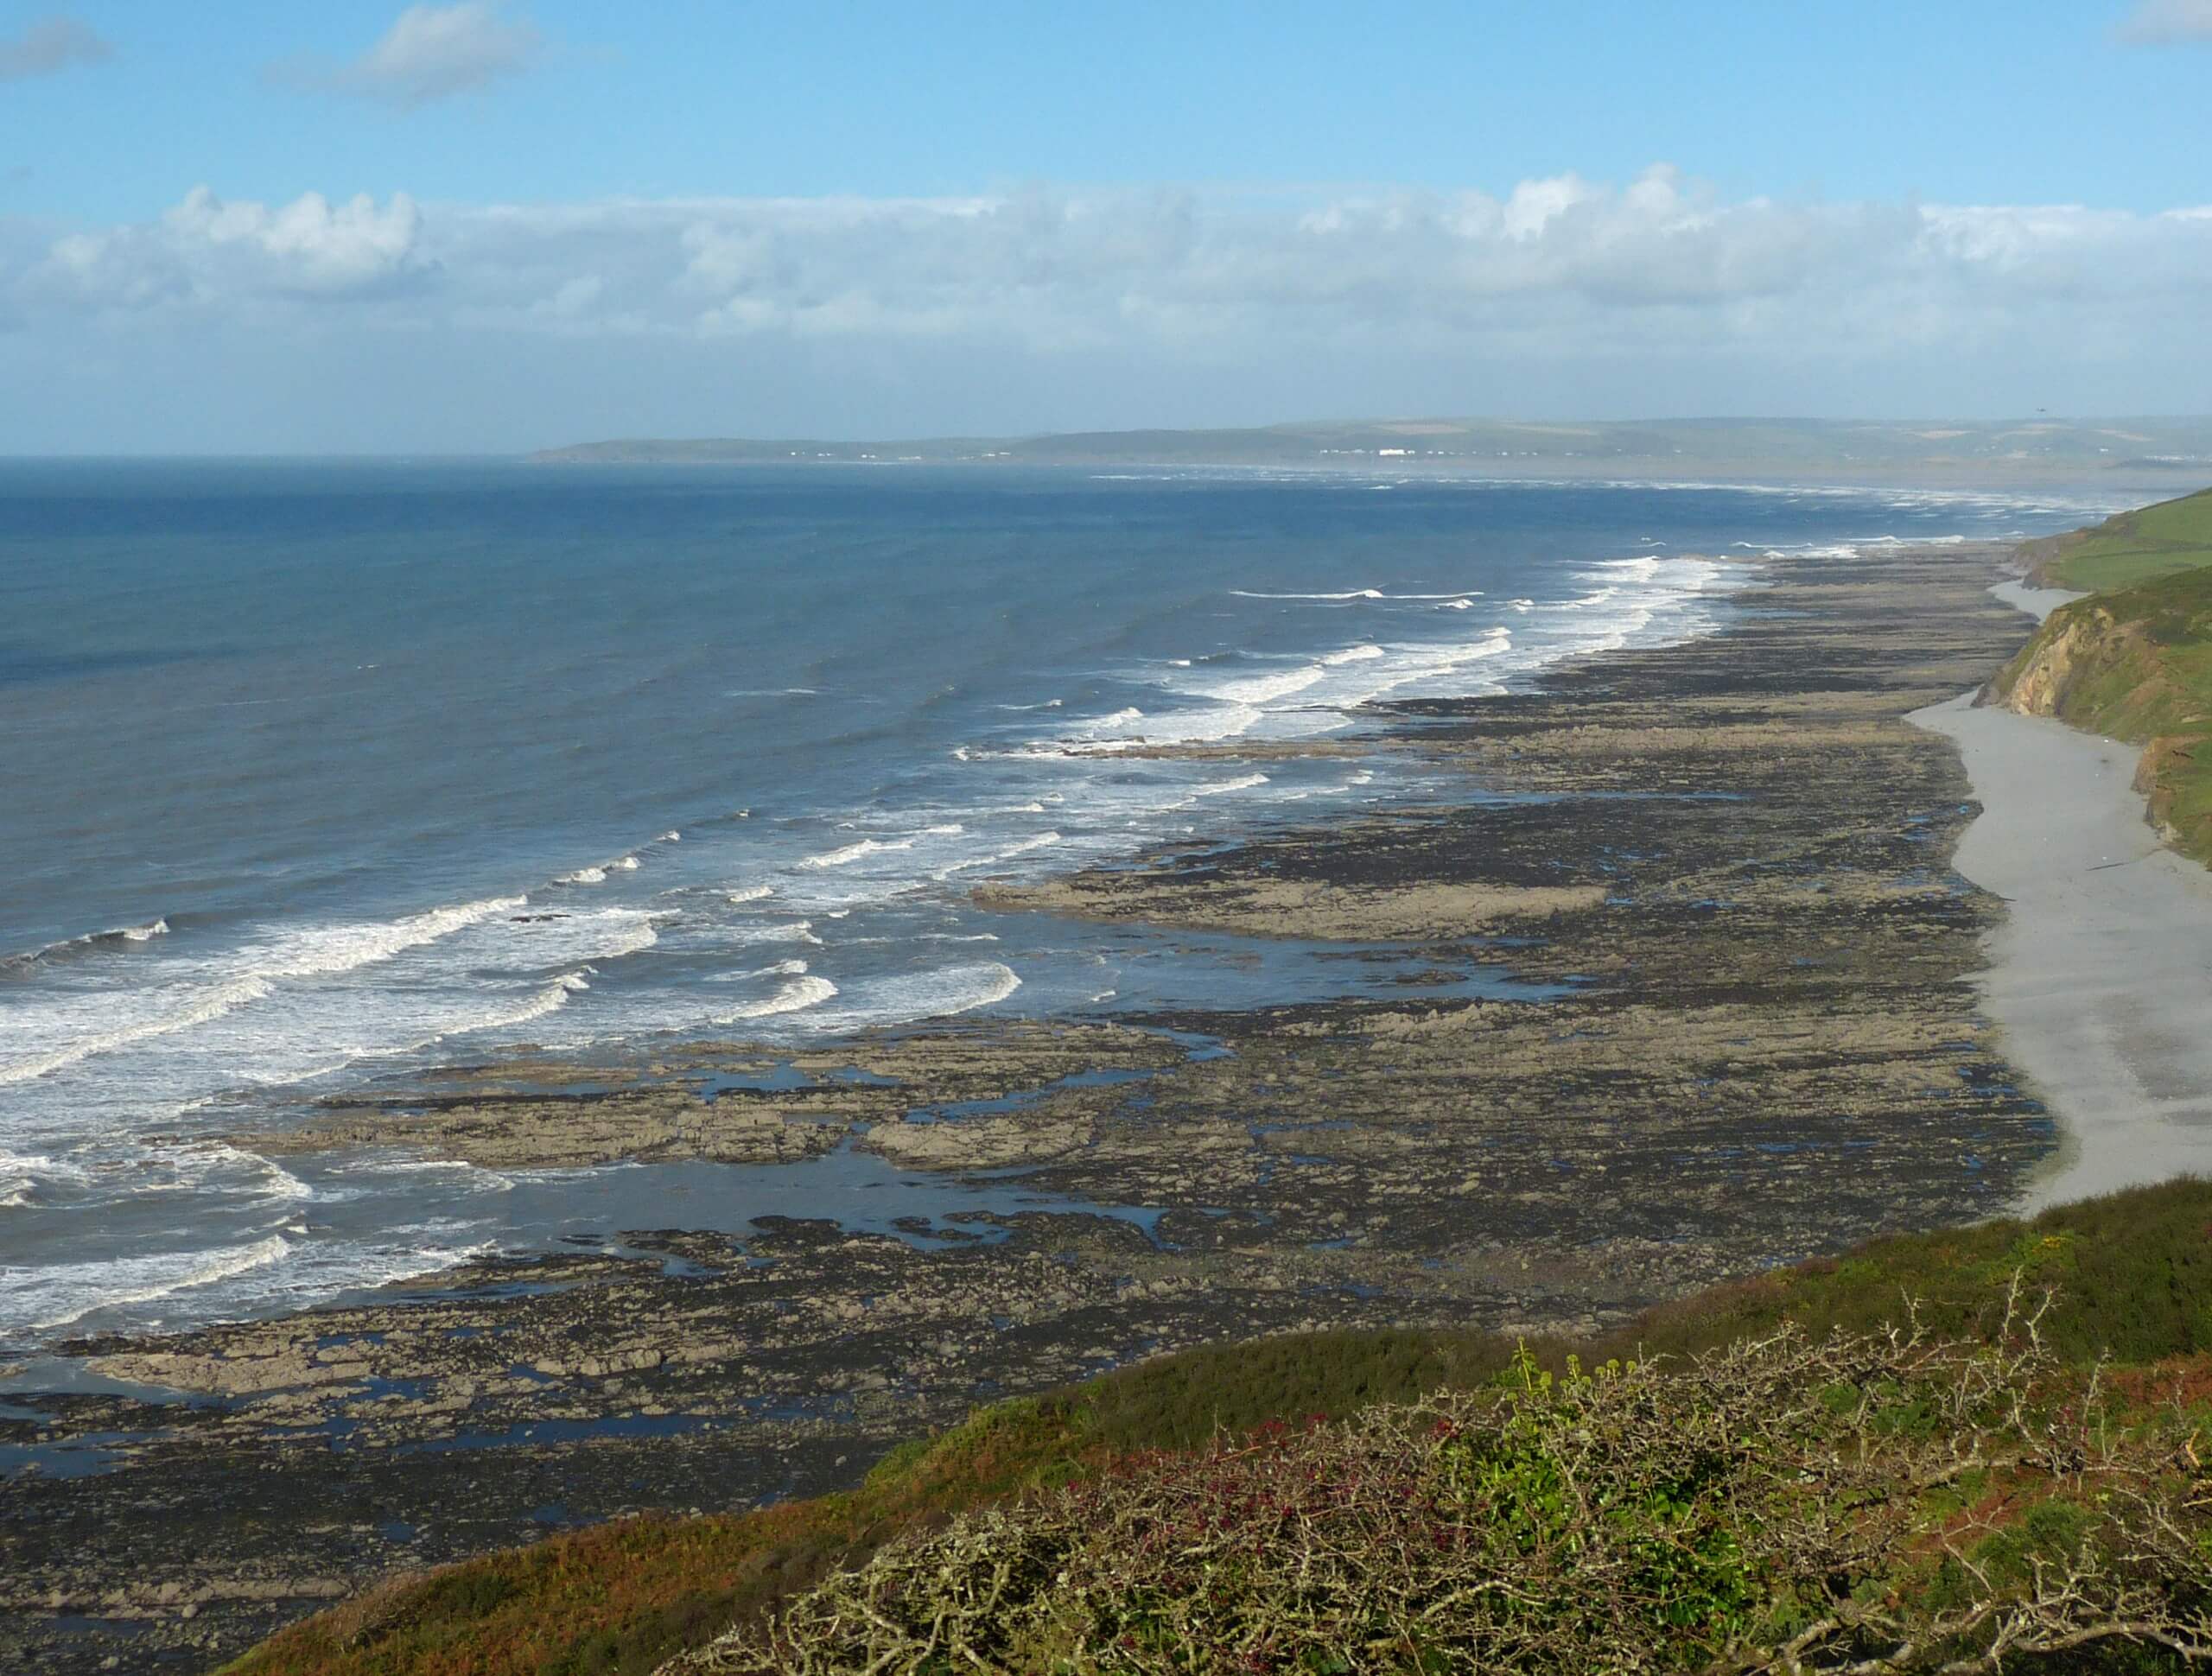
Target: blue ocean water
[(312, 774)]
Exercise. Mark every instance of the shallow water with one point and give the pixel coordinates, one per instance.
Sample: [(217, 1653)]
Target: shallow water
[(319, 773)]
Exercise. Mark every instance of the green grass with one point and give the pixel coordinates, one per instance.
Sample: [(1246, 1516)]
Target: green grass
[(2132, 548), (2134, 1273)]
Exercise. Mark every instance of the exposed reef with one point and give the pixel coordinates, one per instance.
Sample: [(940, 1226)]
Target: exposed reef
[(1745, 1031)]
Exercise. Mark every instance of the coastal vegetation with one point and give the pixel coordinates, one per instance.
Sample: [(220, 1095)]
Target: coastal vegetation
[(2128, 548), (2134, 661), (1953, 1449)]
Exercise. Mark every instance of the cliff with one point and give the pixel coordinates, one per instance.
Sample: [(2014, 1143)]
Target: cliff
[(2135, 665)]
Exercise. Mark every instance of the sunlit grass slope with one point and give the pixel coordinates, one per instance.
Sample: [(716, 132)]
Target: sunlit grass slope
[(2131, 548)]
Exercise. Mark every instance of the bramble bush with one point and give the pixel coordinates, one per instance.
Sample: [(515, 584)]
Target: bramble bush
[(1888, 1501)]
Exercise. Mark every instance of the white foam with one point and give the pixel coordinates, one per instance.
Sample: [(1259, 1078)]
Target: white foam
[(1040, 840), (793, 997), (852, 853), (547, 1001), (1261, 689), (1243, 783), (750, 893), (582, 876), (144, 933), (1349, 593), (937, 994), (60, 1294), (205, 1007), (670, 837)]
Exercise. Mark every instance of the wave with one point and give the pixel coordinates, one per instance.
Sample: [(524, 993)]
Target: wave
[(20, 1174), (332, 950), (1205, 726), (794, 931), (1041, 840), (1358, 594), (582, 876), (793, 997), (90, 940), (1243, 783), (263, 1176), (73, 1291), (546, 1002), (939, 994), (750, 893), (1260, 688), (852, 853), (204, 1008), (963, 989)]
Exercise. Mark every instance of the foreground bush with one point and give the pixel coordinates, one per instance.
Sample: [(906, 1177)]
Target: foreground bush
[(1862, 1501)]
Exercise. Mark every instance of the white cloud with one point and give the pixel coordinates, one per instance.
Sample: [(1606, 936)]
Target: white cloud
[(2164, 22), (1043, 307), (49, 46), (209, 255), (431, 53), (1559, 261)]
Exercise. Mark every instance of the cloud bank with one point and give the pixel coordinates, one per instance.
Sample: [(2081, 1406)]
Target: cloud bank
[(431, 53), (49, 46), (2164, 21), (1048, 307)]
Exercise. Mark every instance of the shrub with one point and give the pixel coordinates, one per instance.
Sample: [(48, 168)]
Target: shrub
[(1870, 1502)]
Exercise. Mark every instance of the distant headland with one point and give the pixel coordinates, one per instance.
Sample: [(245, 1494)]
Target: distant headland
[(2151, 451)]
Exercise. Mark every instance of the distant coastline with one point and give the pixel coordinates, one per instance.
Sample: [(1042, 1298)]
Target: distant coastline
[(2146, 451)]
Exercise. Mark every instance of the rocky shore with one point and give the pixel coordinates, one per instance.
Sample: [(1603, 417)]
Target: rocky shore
[(1742, 1029)]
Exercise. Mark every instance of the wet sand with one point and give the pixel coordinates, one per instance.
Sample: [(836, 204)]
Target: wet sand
[(2102, 974)]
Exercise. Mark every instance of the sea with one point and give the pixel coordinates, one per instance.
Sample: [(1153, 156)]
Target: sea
[(316, 776)]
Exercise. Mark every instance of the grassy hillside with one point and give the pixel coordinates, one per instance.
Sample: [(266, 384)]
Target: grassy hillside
[(2132, 1275), (2135, 664), (2131, 548)]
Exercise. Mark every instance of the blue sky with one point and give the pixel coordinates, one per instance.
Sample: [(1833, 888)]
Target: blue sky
[(689, 216)]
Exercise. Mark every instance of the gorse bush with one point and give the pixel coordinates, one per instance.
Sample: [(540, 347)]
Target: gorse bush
[(1861, 1502)]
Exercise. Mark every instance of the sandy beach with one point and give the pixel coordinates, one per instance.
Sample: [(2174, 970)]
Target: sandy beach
[(2101, 976)]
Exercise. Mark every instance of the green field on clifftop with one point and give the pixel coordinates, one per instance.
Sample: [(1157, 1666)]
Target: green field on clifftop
[(2131, 548)]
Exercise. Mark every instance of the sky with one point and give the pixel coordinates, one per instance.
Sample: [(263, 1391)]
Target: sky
[(496, 225)]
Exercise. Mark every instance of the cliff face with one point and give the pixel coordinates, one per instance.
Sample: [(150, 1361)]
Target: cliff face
[(2037, 680), (2130, 666)]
